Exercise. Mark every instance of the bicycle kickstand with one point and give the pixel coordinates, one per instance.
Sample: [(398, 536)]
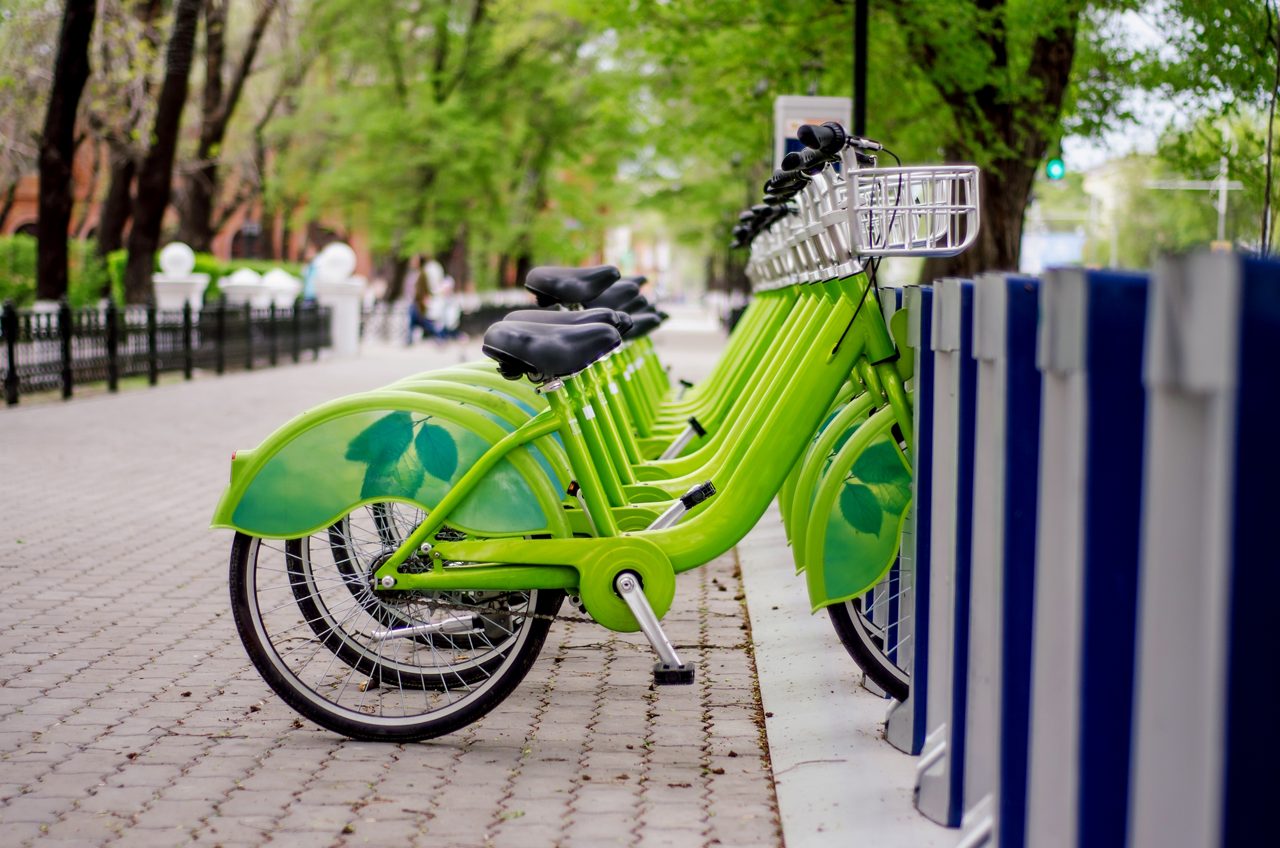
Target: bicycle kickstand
[(669, 670)]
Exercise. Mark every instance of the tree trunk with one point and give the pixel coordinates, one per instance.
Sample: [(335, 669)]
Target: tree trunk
[(456, 262), (90, 193), (57, 148), (395, 281), (200, 191), (6, 205), (114, 212), (156, 173), (1005, 190)]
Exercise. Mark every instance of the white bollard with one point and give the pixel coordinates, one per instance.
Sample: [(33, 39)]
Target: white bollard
[(177, 283), (342, 294)]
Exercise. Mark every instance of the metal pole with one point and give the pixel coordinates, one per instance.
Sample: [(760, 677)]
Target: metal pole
[(9, 327), (113, 346), (220, 327), (188, 357), (860, 67), (153, 346), (64, 335)]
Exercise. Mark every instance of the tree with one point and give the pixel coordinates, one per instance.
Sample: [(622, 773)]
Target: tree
[(122, 100), (28, 29), (156, 172), (57, 147), (218, 104)]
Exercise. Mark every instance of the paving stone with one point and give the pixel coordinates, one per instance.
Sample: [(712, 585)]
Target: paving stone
[(135, 719)]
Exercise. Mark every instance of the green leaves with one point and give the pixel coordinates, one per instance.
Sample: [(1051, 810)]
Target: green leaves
[(392, 468)]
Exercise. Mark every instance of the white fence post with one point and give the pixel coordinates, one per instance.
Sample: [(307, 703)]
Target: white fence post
[(1006, 453), (1089, 351), (1205, 730), (939, 785), (905, 725)]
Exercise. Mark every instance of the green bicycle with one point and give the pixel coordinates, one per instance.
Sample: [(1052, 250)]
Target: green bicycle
[(400, 553)]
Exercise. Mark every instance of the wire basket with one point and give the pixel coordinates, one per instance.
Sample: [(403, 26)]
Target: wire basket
[(916, 211)]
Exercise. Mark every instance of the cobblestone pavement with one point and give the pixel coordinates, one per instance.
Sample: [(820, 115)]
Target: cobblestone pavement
[(129, 714)]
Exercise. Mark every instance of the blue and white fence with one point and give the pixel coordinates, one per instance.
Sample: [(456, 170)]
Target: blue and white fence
[(1090, 555)]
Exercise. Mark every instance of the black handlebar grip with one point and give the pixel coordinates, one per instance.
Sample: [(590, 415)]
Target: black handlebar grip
[(808, 161), (830, 137)]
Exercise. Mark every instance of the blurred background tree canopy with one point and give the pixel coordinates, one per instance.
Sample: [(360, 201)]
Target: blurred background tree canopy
[(497, 134)]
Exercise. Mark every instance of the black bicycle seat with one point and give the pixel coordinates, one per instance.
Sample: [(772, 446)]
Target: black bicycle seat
[(620, 321), (617, 295), (643, 323), (545, 351), (552, 284)]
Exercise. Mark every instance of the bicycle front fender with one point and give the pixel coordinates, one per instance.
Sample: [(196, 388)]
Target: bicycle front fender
[(386, 446), (855, 525)]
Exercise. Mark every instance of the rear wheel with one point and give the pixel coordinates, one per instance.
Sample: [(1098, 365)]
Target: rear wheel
[(870, 628), (335, 656)]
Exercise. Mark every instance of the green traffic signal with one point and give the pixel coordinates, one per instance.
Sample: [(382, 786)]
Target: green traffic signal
[(1054, 169)]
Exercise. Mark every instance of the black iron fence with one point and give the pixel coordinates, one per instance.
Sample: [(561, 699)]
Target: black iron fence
[(44, 351)]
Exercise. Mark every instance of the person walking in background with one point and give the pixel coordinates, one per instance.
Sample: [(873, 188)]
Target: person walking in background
[(445, 309), (309, 273), (417, 284)]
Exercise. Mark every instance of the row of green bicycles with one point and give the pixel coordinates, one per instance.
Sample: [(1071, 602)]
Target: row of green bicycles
[(400, 554)]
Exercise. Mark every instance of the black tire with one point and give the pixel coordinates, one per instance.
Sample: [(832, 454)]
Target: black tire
[(865, 642), (417, 694)]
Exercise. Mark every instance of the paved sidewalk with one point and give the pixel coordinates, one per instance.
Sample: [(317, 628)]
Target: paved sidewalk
[(129, 714)]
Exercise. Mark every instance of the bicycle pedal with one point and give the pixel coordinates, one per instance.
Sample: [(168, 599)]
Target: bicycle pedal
[(665, 674)]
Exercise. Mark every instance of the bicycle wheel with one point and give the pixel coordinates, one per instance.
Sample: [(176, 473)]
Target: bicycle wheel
[(868, 627), (360, 542), (327, 657)]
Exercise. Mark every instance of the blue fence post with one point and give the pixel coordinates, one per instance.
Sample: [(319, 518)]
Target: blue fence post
[(1205, 730), (1090, 354), (905, 726), (939, 778), (1006, 452)]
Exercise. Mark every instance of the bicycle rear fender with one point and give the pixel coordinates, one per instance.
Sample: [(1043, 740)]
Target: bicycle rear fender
[(855, 525), (379, 446)]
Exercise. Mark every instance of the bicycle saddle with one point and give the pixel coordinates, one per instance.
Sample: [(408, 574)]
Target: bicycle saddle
[(616, 296), (638, 279), (545, 351), (553, 284), (643, 324), (620, 321)]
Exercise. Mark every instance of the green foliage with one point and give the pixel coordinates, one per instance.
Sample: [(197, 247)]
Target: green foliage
[(87, 273), (18, 269)]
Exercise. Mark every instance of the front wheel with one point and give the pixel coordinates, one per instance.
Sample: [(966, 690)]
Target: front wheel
[(868, 627), (346, 674)]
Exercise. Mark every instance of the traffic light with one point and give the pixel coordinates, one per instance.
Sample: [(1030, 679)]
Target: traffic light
[(1055, 169)]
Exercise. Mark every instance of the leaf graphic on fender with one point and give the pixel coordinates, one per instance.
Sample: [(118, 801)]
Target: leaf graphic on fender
[(879, 463), (436, 451), (383, 441), (384, 447), (859, 506), (879, 484)]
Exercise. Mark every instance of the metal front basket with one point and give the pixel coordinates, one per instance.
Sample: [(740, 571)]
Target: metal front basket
[(917, 211)]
